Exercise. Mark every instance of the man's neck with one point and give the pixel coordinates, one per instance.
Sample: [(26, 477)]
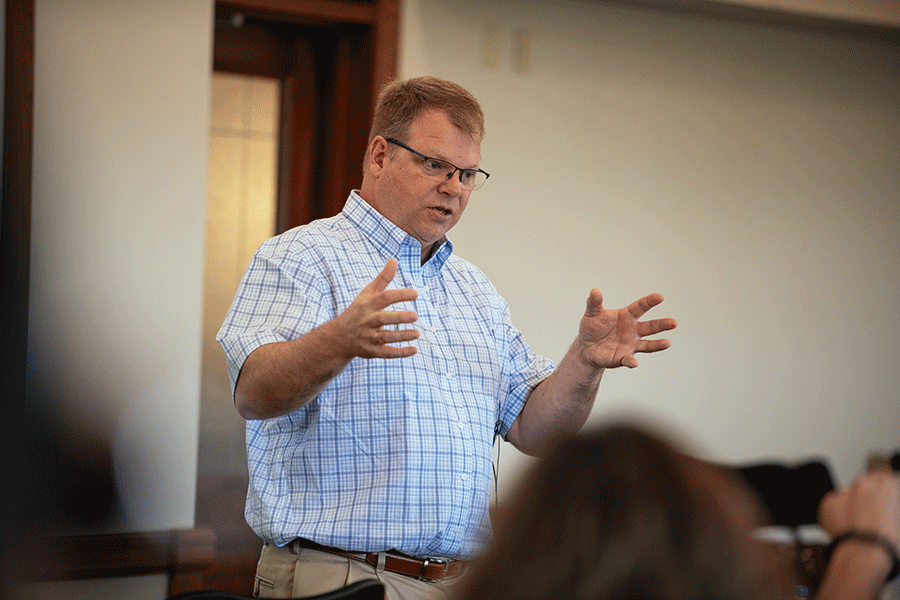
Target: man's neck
[(427, 251)]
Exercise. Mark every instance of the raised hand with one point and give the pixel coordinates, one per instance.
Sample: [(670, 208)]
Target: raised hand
[(280, 377), (366, 328), (610, 338)]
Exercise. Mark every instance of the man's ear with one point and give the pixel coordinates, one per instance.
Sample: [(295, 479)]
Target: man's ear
[(378, 149)]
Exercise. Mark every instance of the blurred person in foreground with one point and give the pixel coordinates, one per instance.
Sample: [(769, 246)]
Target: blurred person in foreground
[(625, 513)]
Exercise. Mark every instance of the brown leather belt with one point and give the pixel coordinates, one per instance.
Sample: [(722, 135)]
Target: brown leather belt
[(426, 569)]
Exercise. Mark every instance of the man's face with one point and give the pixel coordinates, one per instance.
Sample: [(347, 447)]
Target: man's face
[(424, 207)]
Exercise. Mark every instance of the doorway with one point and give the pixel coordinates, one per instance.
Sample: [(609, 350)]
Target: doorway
[(292, 96), (240, 215)]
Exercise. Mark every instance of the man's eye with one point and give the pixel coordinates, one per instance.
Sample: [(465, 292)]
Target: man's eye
[(468, 176), (433, 166)]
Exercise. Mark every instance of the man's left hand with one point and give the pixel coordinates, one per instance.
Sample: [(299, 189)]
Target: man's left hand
[(610, 338)]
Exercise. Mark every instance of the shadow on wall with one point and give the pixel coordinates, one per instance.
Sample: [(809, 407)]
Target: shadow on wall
[(60, 479)]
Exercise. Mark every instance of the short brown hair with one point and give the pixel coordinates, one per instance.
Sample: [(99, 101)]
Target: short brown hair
[(400, 102)]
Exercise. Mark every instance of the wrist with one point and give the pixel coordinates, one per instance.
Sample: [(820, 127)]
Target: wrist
[(872, 549)]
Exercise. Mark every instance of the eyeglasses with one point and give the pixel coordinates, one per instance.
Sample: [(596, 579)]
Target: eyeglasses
[(470, 179)]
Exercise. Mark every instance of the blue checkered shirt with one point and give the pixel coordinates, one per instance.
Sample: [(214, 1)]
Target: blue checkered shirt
[(394, 453)]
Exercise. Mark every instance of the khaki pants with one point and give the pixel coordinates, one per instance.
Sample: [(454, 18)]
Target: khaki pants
[(292, 571)]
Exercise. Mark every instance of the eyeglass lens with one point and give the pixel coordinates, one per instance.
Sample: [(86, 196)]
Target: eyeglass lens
[(468, 178)]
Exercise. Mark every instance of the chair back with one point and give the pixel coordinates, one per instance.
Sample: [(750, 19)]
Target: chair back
[(368, 589)]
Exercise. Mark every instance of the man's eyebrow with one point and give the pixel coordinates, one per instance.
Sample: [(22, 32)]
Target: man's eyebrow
[(449, 162), (437, 155)]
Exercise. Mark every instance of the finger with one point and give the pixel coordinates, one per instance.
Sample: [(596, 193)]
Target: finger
[(651, 345), (389, 297), (394, 336), (381, 339), (829, 512), (629, 361), (395, 317), (655, 326), (828, 499), (642, 305), (395, 352), (381, 281)]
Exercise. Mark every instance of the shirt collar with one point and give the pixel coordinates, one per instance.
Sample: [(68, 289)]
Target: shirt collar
[(390, 240)]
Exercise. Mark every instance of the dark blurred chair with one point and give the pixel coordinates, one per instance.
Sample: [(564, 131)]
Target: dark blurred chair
[(368, 589), (791, 493), (880, 461)]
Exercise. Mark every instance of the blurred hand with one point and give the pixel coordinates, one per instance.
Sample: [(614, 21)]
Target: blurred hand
[(870, 503)]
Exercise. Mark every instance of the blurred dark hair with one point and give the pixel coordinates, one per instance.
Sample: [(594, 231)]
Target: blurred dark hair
[(622, 513)]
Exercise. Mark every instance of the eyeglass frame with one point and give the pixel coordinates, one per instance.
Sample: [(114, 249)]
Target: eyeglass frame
[(446, 162)]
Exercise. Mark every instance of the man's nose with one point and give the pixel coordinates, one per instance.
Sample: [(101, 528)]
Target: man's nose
[(453, 183)]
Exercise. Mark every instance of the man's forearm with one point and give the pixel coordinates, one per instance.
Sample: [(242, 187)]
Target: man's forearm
[(280, 377), (558, 406)]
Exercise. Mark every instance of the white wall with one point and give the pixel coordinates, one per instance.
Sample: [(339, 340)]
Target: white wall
[(751, 175), (120, 141), (881, 12)]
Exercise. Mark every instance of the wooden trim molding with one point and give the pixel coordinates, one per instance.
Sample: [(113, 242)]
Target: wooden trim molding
[(15, 220), (183, 554), (341, 11), (387, 36)]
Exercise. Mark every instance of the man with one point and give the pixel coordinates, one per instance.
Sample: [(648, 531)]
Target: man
[(376, 368)]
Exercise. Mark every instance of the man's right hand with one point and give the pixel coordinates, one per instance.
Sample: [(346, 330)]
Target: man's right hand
[(280, 377), (366, 328)]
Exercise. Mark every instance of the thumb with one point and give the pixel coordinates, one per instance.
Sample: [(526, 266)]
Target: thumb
[(594, 303), (381, 281)]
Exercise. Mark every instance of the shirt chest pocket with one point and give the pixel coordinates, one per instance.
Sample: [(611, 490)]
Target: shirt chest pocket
[(471, 355)]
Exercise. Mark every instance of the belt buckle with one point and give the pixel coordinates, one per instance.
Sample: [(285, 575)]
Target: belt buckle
[(427, 561)]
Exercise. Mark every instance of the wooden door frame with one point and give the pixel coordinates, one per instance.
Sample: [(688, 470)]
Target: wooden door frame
[(332, 58), (15, 220), (382, 15)]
